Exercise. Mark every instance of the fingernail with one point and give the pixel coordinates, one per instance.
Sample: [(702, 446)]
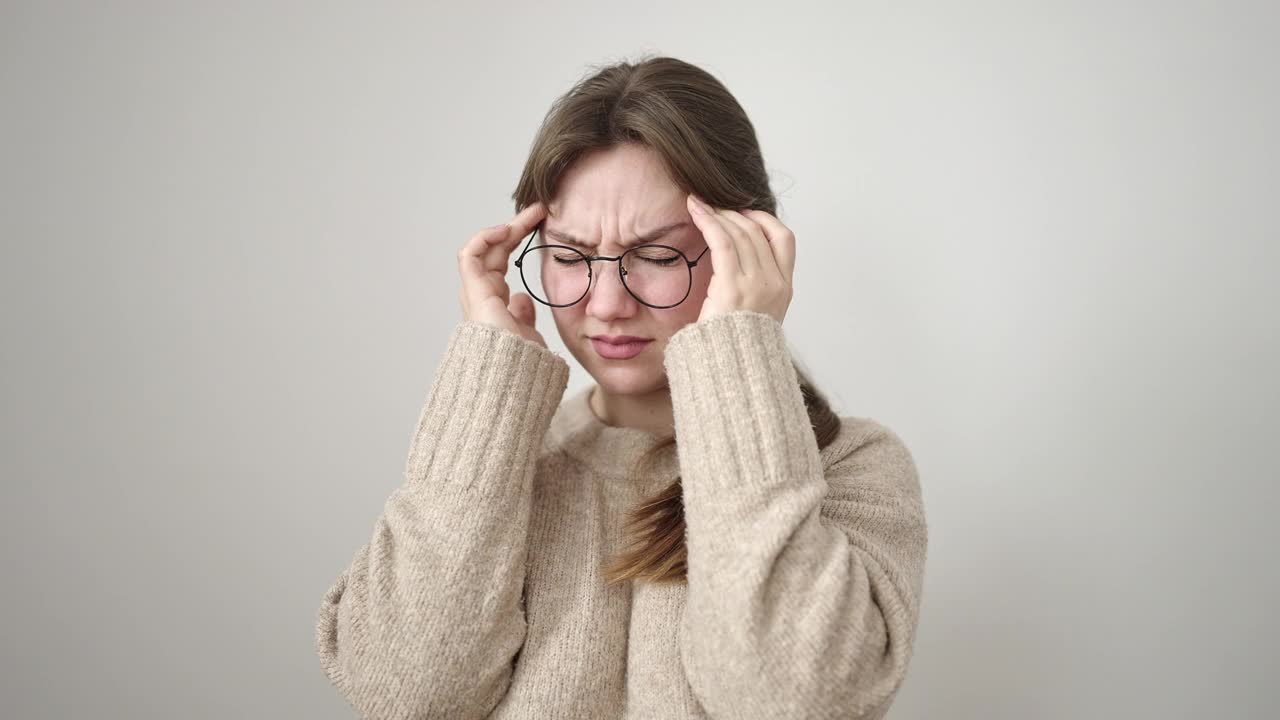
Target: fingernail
[(697, 205)]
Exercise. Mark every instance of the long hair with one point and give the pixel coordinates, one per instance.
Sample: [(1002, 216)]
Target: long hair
[(709, 147)]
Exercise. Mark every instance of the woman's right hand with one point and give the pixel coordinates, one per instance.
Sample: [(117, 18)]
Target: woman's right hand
[(482, 265)]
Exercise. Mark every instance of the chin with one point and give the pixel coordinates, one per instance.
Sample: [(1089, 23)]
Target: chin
[(626, 378)]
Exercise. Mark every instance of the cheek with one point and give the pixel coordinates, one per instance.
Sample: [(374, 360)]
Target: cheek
[(567, 319), (697, 293), (684, 313), (698, 289)]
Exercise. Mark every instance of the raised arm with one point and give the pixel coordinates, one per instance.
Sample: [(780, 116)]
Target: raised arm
[(426, 619), (805, 568)]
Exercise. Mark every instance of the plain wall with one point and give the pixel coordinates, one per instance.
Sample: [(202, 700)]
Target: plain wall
[(1040, 241)]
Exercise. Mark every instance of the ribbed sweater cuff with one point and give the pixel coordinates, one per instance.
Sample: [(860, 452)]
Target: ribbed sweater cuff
[(489, 407), (739, 413)]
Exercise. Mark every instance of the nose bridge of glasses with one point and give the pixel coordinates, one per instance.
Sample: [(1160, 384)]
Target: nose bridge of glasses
[(598, 268)]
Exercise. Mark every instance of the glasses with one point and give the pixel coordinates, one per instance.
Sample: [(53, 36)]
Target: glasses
[(659, 276)]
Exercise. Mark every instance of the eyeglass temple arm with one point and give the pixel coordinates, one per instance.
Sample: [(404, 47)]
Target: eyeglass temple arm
[(695, 260), (526, 245)]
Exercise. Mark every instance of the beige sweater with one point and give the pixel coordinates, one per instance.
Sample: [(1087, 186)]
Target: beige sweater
[(479, 593)]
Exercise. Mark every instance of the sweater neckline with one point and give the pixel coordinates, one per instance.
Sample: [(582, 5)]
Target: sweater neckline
[(609, 450)]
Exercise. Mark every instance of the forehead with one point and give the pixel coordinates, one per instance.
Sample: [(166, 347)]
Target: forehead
[(671, 233), (618, 195)]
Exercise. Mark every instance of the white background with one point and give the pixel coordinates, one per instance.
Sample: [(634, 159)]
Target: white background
[(1040, 241)]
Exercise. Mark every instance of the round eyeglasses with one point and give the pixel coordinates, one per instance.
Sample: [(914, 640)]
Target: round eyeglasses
[(658, 276)]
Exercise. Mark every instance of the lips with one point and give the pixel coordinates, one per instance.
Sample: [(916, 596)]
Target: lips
[(619, 339), (619, 350)]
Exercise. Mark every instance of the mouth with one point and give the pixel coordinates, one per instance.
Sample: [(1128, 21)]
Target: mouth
[(619, 347), (620, 339)]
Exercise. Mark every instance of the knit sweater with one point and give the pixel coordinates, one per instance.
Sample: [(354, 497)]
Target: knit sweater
[(480, 594)]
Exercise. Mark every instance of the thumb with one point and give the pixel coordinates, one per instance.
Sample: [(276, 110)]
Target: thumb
[(521, 308)]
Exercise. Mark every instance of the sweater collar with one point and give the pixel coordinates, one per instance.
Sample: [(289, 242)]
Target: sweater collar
[(608, 450)]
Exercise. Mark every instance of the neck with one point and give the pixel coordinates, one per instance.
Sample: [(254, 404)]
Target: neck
[(650, 412)]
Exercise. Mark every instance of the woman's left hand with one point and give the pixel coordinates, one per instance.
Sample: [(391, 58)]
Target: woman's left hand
[(753, 258)]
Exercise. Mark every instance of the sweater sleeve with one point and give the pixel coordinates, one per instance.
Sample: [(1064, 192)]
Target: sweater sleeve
[(805, 567), (426, 620)]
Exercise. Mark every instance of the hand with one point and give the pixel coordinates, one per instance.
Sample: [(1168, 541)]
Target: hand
[(753, 256), (482, 265)]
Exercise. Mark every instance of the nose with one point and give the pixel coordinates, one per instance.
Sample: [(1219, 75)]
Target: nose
[(607, 297)]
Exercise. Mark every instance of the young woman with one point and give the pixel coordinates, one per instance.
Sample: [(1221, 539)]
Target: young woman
[(695, 535)]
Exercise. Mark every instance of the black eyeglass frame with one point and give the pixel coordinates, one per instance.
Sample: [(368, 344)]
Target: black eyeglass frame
[(622, 273)]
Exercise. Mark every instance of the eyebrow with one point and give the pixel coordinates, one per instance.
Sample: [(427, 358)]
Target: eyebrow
[(650, 236)]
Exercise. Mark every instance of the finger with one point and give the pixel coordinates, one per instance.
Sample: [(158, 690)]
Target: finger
[(482, 244), (486, 255), (483, 272), (747, 259), (522, 224), (724, 251), (782, 242), (478, 244), (756, 243), (521, 308), (498, 256), (479, 282)]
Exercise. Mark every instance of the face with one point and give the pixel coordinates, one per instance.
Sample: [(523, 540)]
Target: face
[(607, 199)]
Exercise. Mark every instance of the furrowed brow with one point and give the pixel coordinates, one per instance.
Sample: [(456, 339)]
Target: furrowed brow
[(656, 234)]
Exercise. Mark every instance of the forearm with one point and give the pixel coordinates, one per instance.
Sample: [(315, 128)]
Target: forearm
[(802, 566), (427, 617)]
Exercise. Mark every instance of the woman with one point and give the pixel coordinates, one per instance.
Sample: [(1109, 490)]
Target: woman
[(695, 535)]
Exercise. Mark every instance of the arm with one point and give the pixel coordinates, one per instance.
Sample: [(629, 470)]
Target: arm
[(426, 619), (804, 580)]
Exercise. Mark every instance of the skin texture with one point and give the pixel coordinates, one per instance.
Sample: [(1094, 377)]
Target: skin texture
[(606, 199)]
